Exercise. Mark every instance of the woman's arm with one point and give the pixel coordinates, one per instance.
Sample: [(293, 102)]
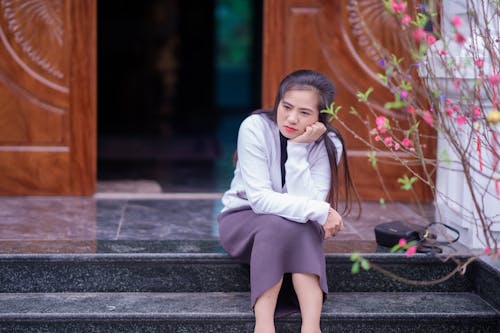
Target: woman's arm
[(254, 166), (304, 177), (308, 171)]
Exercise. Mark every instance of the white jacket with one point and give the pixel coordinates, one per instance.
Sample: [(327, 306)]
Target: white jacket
[(257, 177)]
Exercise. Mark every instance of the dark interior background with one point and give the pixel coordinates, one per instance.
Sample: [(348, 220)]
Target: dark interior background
[(175, 79)]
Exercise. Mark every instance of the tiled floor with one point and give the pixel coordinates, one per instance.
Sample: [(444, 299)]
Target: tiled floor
[(106, 223)]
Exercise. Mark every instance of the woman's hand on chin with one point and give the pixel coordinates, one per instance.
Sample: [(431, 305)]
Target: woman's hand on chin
[(312, 133)]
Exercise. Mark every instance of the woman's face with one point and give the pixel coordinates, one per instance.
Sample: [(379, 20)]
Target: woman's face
[(297, 110)]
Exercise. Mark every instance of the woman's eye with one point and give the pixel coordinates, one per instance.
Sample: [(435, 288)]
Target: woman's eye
[(305, 113), (287, 107)]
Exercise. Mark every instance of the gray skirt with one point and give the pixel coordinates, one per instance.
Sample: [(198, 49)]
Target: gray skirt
[(274, 247)]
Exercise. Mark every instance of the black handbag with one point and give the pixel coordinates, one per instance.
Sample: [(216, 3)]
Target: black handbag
[(388, 234)]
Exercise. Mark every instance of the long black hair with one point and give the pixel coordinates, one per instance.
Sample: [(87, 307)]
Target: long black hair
[(311, 80)]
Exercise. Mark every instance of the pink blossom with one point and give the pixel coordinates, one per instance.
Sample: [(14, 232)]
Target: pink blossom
[(404, 94), (373, 131), (419, 34), (443, 52), (402, 242), (380, 121), (428, 118), (459, 38), (411, 109), (378, 138), (397, 146), (398, 7), (456, 21), (388, 141), (461, 120), (449, 112), (479, 62), (448, 101), (487, 250), (411, 251), (431, 39), (406, 20), (477, 112), (495, 79), (456, 83), (406, 142), (382, 124)]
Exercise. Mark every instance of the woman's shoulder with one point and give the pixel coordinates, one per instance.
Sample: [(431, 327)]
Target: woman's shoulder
[(257, 120), (334, 138), (319, 148), (337, 142)]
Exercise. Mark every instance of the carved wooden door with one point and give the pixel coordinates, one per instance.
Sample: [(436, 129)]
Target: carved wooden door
[(328, 35), (47, 97)]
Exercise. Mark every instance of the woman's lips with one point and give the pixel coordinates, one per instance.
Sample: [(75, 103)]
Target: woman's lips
[(289, 129)]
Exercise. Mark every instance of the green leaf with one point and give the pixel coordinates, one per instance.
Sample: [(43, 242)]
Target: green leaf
[(421, 19), (332, 110), (363, 97), (387, 5), (436, 93), (355, 268), (415, 55), (381, 201), (410, 244), (405, 85), (395, 60), (372, 158), (365, 264), (423, 49), (407, 183), (396, 248), (412, 129), (352, 110), (396, 104), (445, 157), (355, 256), (383, 78)]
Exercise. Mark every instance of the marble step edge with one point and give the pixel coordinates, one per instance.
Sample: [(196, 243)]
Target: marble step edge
[(236, 306), (396, 258), (209, 273)]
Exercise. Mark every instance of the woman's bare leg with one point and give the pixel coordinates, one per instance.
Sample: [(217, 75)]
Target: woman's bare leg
[(264, 309), (310, 298)]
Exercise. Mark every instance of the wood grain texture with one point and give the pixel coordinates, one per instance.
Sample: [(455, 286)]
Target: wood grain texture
[(328, 36), (47, 97), (83, 86)]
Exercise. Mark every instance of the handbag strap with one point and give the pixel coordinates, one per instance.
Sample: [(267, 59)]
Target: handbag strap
[(426, 233)]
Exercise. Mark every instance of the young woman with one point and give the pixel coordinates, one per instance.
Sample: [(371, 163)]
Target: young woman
[(283, 200)]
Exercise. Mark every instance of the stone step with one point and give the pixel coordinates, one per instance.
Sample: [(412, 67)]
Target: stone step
[(230, 312), (205, 272)]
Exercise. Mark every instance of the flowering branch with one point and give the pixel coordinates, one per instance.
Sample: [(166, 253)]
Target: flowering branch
[(450, 84)]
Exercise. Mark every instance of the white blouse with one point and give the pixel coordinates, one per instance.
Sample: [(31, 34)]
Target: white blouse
[(257, 177)]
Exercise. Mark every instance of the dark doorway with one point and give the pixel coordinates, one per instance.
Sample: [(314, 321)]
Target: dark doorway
[(175, 78)]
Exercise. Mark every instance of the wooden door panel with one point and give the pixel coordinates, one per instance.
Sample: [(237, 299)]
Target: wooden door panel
[(329, 36), (47, 97), (36, 170), (25, 123)]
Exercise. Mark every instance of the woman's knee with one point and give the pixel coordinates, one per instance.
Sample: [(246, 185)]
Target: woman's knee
[(277, 226)]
